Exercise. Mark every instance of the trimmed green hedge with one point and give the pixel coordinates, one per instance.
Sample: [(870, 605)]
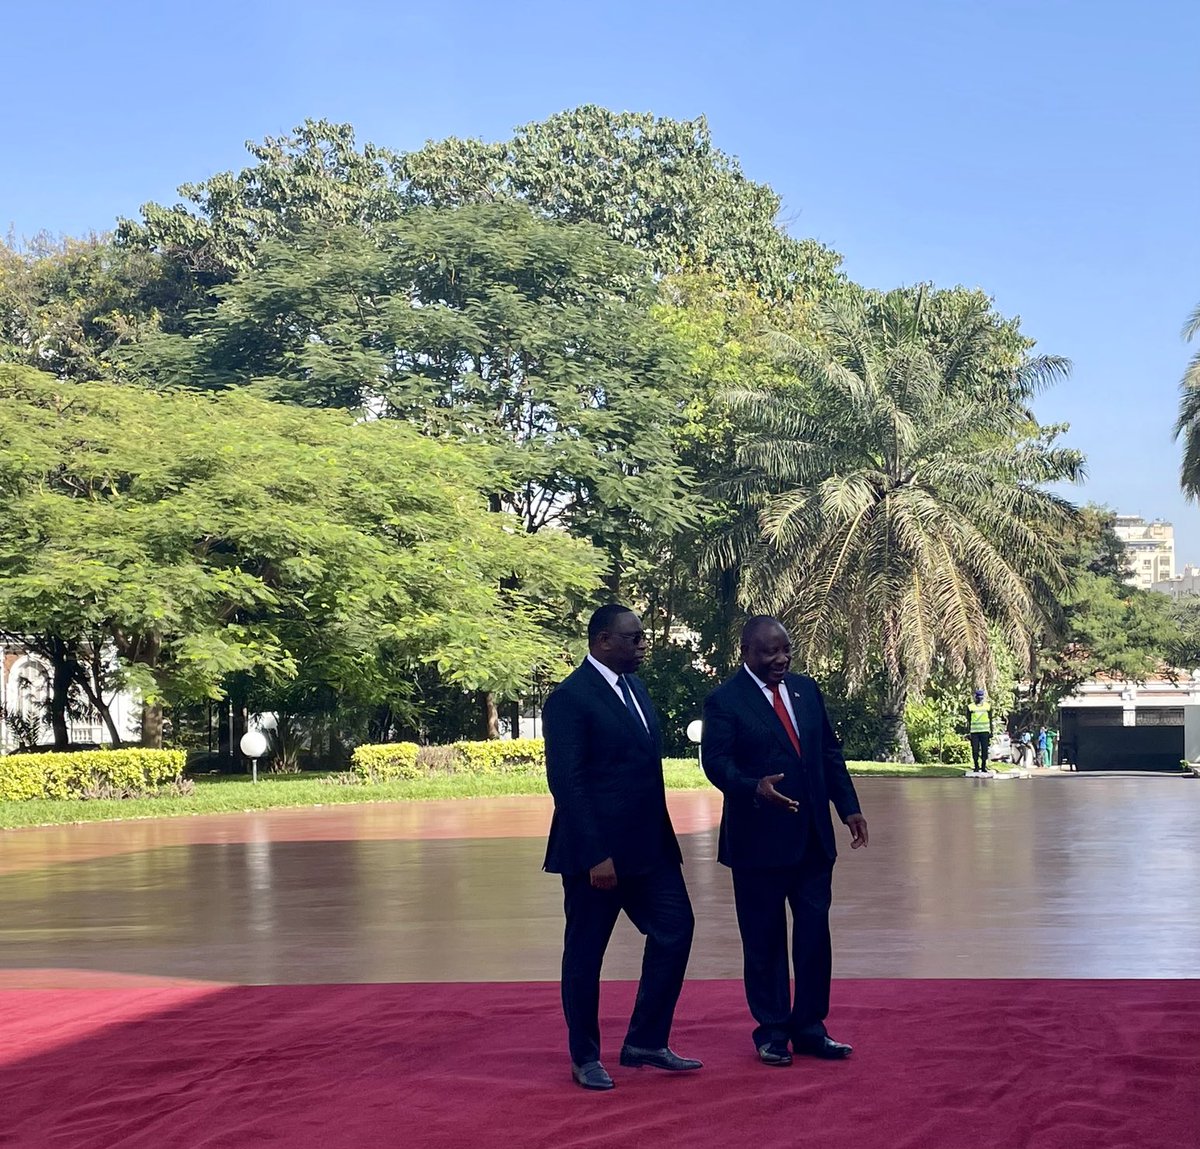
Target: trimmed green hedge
[(135, 772), (389, 762), (514, 756), (406, 761)]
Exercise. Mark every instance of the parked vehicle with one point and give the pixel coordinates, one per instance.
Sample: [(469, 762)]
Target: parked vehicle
[(1000, 748)]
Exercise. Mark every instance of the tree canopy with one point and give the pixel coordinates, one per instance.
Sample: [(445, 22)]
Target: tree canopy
[(900, 493), (210, 534)]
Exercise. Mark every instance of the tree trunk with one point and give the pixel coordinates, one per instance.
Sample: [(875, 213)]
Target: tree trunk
[(152, 726), (491, 716), (64, 666), (893, 735), (92, 682), (224, 727)]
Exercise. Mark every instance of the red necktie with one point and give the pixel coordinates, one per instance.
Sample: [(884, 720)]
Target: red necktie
[(782, 714)]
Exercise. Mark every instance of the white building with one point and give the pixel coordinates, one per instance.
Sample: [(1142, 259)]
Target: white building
[(25, 694), (1109, 724), (1149, 549), (1181, 586)]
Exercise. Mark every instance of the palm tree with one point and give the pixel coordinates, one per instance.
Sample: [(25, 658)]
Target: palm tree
[(1188, 423), (899, 487)]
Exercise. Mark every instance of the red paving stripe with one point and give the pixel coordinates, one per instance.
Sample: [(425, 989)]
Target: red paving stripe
[(958, 1064)]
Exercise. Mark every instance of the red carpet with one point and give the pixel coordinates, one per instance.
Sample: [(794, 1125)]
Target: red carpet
[(946, 1064)]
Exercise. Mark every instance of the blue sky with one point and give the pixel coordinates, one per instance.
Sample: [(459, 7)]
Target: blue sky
[(1044, 151)]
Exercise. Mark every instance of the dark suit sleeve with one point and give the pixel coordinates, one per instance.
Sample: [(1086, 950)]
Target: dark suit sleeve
[(838, 783), (564, 726), (717, 747)]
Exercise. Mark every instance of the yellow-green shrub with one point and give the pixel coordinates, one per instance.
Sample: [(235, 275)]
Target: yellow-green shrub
[(515, 756), (389, 762), (136, 771), (395, 761)]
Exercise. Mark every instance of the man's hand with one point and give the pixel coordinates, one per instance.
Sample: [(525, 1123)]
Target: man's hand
[(604, 875), (857, 825), (766, 789)]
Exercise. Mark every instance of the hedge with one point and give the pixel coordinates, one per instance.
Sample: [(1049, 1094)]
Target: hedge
[(394, 761), (514, 756), (390, 762), (134, 772)]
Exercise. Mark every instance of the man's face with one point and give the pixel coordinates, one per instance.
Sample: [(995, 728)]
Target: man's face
[(623, 644), (768, 654)]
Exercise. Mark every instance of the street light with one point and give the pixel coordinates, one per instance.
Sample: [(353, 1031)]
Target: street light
[(254, 746)]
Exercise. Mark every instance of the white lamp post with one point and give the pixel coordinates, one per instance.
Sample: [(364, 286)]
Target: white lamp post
[(254, 746)]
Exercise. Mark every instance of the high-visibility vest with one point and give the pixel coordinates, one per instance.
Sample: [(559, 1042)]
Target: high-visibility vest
[(981, 718)]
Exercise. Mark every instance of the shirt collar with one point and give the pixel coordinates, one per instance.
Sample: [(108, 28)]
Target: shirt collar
[(758, 681), (610, 675)]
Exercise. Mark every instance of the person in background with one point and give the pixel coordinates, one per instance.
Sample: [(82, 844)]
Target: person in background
[(979, 730)]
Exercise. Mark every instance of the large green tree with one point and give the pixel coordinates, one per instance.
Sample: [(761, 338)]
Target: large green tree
[(207, 535), (899, 486), (317, 174), (651, 182), (484, 324), (65, 303)]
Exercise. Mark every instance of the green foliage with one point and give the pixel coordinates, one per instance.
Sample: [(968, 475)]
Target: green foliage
[(677, 686), (507, 756), (1104, 625), (932, 734), (1187, 426), (212, 535), (900, 492), (653, 183), (407, 760), (484, 324), (65, 304), (82, 774), (316, 175), (391, 762)]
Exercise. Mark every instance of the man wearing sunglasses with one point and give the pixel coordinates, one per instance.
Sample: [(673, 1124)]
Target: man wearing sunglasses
[(612, 841)]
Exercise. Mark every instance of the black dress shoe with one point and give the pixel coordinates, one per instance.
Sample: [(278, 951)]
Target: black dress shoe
[(633, 1057), (823, 1047), (592, 1075), (774, 1053)]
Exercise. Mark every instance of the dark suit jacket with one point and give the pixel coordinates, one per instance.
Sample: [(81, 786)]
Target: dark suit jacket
[(744, 741), (605, 772)]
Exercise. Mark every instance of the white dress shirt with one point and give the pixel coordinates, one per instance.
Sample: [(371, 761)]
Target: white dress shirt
[(611, 676), (769, 691)]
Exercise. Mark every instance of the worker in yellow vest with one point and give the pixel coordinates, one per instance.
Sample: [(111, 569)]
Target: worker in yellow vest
[(979, 726)]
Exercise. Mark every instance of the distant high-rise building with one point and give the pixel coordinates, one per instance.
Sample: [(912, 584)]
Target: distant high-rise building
[(1149, 549)]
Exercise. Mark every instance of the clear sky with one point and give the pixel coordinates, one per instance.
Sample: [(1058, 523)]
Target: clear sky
[(1047, 151)]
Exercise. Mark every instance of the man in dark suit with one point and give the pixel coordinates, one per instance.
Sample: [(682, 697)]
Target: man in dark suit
[(768, 746), (612, 841)]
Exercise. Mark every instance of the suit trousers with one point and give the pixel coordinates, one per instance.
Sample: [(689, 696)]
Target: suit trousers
[(657, 903), (761, 897)]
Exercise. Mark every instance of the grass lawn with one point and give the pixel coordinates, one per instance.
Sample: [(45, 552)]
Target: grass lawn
[(223, 794)]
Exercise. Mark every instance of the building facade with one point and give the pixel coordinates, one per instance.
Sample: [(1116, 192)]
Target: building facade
[(1149, 550), (1109, 724), (25, 699), (1185, 585)]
